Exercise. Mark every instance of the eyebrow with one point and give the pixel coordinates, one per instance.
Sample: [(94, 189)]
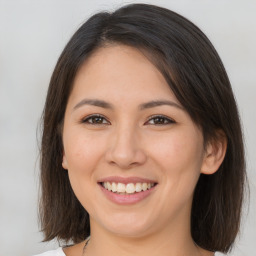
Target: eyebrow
[(93, 102), (156, 103), (147, 105)]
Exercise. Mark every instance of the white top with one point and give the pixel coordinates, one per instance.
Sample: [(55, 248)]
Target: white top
[(59, 252)]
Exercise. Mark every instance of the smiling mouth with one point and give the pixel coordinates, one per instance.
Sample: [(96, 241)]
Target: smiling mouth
[(127, 189)]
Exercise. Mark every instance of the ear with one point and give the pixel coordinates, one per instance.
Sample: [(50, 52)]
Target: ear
[(64, 161), (214, 153)]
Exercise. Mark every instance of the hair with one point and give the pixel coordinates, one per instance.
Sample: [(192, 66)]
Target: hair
[(195, 73)]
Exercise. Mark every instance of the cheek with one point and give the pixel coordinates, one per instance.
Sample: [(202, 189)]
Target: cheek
[(81, 149), (180, 158), (82, 153), (179, 150)]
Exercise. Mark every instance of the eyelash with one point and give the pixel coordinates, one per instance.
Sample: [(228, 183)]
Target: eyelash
[(169, 121), (85, 120), (166, 119)]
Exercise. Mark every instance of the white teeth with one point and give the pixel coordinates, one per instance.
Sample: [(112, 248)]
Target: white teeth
[(129, 188), (138, 187), (144, 186), (120, 187), (109, 186), (114, 187)]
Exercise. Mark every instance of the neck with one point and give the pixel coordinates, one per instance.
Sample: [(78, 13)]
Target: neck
[(175, 242)]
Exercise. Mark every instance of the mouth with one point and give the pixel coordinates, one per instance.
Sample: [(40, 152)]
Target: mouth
[(127, 188)]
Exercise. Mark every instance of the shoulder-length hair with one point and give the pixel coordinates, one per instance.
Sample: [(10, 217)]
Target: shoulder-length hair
[(197, 77)]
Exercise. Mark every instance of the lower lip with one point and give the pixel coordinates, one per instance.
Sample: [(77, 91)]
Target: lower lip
[(127, 198)]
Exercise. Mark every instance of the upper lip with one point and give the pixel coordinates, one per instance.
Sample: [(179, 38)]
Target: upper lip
[(126, 180)]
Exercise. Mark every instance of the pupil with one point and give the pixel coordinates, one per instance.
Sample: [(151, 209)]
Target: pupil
[(159, 120), (97, 120)]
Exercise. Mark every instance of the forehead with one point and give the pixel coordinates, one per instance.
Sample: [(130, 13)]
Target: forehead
[(122, 70)]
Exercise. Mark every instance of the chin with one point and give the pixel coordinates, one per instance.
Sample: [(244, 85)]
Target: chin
[(128, 226)]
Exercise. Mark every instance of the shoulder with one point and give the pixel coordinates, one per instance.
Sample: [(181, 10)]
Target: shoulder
[(57, 252)]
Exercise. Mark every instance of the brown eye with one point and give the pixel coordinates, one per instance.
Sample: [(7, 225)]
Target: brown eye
[(95, 119), (160, 120)]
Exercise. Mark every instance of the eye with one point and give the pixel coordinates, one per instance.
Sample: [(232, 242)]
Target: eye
[(95, 119), (160, 120)]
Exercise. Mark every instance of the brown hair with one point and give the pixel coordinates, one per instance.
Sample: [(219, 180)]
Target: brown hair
[(196, 75)]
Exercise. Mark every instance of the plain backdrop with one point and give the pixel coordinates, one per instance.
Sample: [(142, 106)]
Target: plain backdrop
[(33, 34)]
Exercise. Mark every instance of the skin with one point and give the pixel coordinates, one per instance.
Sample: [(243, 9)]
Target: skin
[(129, 142)]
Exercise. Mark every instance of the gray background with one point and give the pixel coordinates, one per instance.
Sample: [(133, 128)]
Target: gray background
[(32, 35)]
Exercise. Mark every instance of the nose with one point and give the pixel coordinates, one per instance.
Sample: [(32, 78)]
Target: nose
[(125, 149)]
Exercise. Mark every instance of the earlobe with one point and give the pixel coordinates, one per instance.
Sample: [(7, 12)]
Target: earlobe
[(64, 162), (214, 153)]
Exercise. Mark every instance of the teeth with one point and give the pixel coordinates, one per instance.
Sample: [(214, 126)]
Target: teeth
[(114, 187), (109, 186), (120, 187), (144, 186), (138, 187), (129, 188)]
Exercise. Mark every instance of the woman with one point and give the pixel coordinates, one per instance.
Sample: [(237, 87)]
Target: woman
[(142, 149)]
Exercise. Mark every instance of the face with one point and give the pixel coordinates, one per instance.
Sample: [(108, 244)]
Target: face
[(124, 129)]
